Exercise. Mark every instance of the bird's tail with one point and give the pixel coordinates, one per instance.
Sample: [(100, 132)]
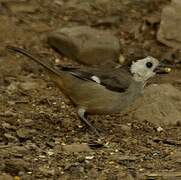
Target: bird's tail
[(46, 65)]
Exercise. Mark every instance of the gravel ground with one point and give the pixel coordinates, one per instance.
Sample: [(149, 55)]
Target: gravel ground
[(41, 136)]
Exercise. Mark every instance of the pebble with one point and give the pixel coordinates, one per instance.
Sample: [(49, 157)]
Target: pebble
[(76, 147), (89, 157), (10, 137), (8, 126), (159, 129), (121, 59), (23, 133)]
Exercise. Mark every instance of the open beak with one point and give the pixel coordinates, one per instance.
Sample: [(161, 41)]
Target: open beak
[(162, 69)]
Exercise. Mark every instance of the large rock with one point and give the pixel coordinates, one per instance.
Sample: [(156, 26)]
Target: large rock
[(85, 44), (170, 27), (160, 105)]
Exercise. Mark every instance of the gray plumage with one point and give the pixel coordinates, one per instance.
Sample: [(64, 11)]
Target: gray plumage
[(115, 91)]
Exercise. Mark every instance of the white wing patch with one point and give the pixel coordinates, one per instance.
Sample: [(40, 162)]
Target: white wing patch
[(96, 79)]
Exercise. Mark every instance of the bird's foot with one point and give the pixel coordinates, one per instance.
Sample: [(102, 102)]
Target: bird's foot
[(81, 113)]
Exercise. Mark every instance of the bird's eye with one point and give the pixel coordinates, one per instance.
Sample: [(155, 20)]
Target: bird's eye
[(149, 64)]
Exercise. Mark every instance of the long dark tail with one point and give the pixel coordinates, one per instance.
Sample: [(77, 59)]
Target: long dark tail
[(36, 59)]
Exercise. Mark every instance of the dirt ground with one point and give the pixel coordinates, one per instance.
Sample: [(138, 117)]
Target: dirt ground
[(39, 128)]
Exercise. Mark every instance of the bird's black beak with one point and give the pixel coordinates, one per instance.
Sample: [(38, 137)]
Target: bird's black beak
[(162, 68)]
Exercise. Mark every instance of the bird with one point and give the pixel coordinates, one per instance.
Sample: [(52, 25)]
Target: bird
[(96, 91)]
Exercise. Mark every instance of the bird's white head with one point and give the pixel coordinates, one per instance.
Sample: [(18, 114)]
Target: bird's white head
[(144, 69)]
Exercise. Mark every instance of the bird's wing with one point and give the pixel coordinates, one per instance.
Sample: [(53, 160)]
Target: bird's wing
[(113, 79)]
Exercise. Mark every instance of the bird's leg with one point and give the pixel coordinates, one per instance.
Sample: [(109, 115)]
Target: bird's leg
[(81, 113)]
